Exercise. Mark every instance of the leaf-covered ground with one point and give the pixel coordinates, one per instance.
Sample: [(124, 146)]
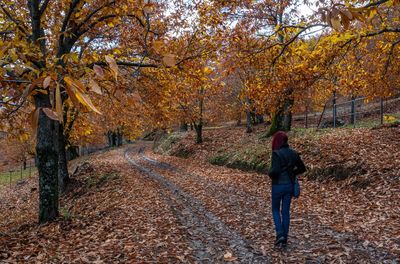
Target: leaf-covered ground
[(133, 206)]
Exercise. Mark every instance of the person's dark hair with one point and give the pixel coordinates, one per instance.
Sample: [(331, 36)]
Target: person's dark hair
[(280, 138)]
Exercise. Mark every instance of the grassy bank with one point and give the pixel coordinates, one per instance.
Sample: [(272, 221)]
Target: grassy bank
[(342, 154)]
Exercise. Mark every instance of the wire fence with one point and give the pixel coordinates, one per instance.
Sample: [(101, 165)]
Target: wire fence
[(18, 174), (28, 169), (357, 112)]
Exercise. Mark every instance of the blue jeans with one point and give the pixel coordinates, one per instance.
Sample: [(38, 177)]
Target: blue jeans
[(281, 198)]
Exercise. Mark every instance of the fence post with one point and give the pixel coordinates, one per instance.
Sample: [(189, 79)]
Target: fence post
[(381, 111), (353, 111), (22, 167), (334, 108), (307, 116), (334, 116)]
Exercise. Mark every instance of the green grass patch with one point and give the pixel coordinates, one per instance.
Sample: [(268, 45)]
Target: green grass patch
[(244, 156), (165, 143), (66, 214), (6, 177)]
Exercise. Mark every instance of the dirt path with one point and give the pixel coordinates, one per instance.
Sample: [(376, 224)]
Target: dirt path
[(222, 217), (210, 238), (129, 205)]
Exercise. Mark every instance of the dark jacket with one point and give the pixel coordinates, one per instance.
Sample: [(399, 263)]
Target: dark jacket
[(285, 164)]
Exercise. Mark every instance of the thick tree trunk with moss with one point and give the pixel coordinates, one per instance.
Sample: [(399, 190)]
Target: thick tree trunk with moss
[(47, 162), (287, 114), (46, 141), (276, 123), (279, 122), (282, 118)]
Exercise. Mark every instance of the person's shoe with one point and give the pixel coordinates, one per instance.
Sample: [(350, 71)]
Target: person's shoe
[(284, 243), (279, 240)]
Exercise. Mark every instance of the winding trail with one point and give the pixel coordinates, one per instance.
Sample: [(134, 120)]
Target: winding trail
[(211, 234)]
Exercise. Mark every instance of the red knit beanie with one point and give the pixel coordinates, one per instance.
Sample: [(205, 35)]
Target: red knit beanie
[(278, 140)]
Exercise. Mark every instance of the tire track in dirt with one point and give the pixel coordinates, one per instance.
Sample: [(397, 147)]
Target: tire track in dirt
[(209, 237), (232, 196)]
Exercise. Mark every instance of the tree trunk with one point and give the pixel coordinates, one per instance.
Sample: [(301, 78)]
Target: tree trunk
[(199, 127), (109, 138), (353, 111), (63, 176), (253, 118), (119, 136), (249, 126), (72, 152), (114, 139), (282, 119), (183, 127), (276, 123), (239, 119), (47, 162), (260, 119), (199, 133), (287, 114)]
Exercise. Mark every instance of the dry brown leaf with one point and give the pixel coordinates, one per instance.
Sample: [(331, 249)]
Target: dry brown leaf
[(46, 82), (50, 113), (169, 60)]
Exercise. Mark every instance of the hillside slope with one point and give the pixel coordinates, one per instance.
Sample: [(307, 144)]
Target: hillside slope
[(131, 205)]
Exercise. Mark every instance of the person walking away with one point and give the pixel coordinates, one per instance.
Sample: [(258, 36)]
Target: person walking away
[(286, 164)]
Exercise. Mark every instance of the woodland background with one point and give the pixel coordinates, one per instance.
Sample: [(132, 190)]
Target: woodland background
[(79, 75)]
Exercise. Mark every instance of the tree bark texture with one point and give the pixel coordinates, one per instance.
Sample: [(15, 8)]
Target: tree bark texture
[(47, 162)]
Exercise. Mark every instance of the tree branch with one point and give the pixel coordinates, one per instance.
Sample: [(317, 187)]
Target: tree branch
[(376, 3), (43, 7), (93, 24), (372, 34), (287, 44), (64, 26), (94, 12), (15, 21), (126, 63)]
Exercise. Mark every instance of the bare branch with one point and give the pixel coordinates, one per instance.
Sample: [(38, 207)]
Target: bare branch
[(376, 3), (390, 57), (371, 34), (94, 12), (126, 63), (43, 7), (79, 33), (287, 44), (67, 18)]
